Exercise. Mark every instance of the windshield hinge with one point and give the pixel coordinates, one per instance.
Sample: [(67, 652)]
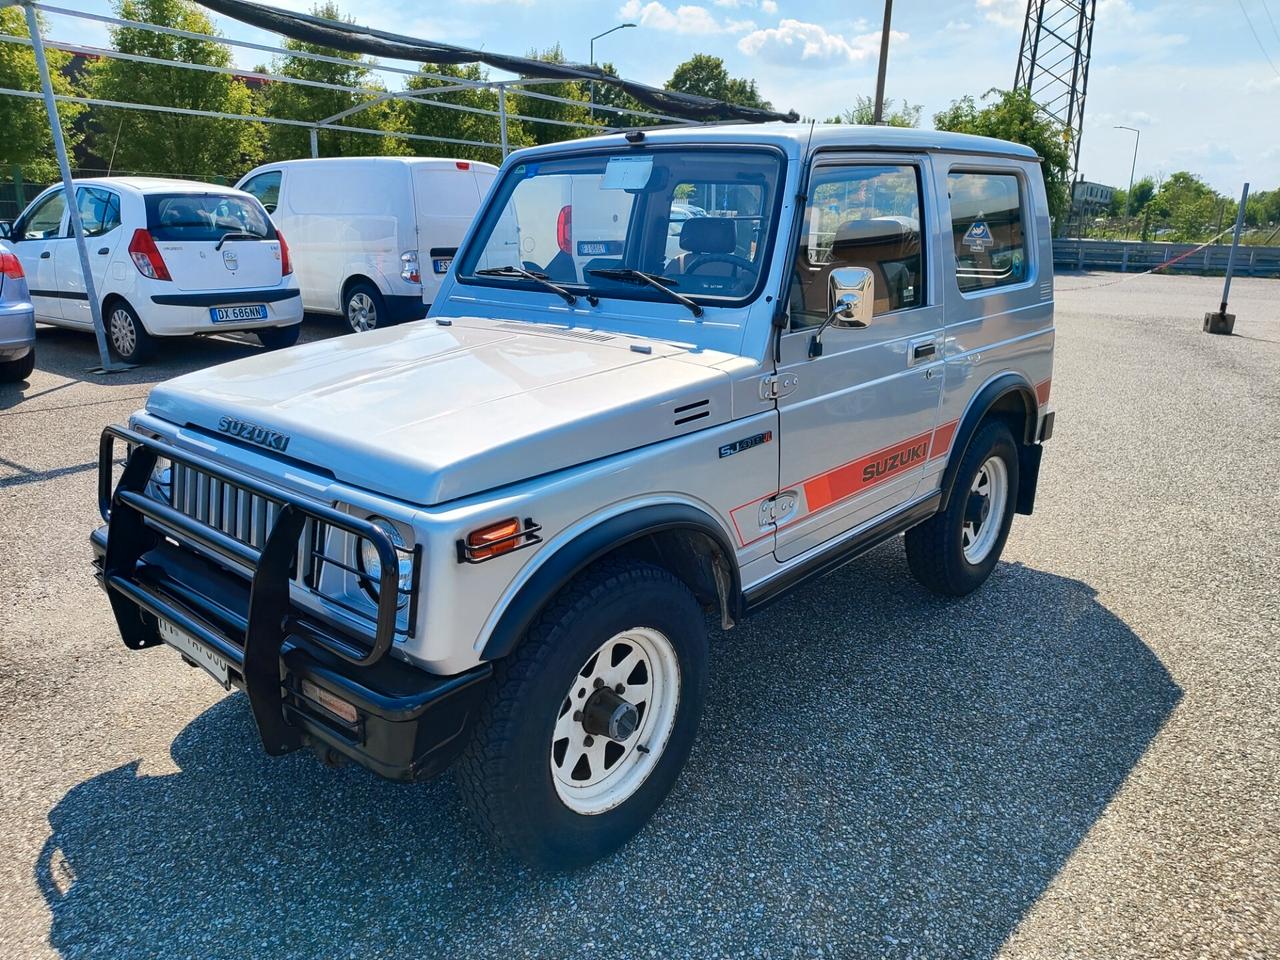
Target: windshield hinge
[(777, 509), (778, 385)]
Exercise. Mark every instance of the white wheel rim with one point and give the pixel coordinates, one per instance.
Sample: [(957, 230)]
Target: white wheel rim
[(984, 510), (593, 774), (361, 313), (123, 335)]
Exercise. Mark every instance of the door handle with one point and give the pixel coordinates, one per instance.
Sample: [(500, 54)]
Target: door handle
[(923, 351), (45, 255)]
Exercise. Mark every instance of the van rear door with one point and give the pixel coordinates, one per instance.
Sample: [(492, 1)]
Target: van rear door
[(446, 199), (214, 241)]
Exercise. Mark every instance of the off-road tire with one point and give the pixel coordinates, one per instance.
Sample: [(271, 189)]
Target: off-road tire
[(120, 318), (13, 371), (277, 338), (505, 772), (935, 548)]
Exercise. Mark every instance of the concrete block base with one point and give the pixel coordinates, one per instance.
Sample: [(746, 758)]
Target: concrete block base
[(1222, 323)]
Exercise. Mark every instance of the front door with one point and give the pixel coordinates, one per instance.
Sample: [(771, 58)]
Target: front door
[(856, 422), (100, 217), (36, 237)]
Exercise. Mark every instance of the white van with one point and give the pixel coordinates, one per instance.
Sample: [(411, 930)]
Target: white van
[(371, 237)]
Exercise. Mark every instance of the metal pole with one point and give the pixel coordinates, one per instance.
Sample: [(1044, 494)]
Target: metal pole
[(60, 147), (315, 142), (1128, 204), (502, 118), (591, 96), (884, 62), (1235, 246)]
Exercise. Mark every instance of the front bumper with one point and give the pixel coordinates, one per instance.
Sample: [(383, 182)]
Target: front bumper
[(156, 563)]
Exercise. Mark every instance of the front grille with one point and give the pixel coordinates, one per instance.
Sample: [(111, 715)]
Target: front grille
[(232, 509)]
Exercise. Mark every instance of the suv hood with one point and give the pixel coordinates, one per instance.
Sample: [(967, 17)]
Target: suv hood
[(428, 413)]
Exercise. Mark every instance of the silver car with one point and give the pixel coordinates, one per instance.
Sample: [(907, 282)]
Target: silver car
[(17, 320)]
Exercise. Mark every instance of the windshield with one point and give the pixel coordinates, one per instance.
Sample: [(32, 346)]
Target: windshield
[(199, 217), (697, 218)]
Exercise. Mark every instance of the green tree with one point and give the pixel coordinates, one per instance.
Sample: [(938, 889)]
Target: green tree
[(27, 139), (863, 112), (420, 118), (1143, 190), (706, 76), (564, 112), (1263, 209), (147, 142), (1190, 207), (1013, 116), (611, 96), (292, 101)]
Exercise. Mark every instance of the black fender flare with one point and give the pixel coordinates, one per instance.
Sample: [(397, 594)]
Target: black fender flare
[(1002, 386), (592, 544)]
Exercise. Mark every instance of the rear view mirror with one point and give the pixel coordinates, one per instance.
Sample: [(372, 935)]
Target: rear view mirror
[(6, 229), (852, 292)]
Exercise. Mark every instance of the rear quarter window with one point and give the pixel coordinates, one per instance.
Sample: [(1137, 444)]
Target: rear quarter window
[(195, 217), (987, 229)]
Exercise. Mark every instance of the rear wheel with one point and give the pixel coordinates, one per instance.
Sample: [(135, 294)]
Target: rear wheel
[(11, 371), (276, 338), (364, 308), (588, 724), (954, 551), (128, 337)]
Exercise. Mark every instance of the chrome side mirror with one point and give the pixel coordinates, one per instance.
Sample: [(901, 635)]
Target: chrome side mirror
[(852, 298)]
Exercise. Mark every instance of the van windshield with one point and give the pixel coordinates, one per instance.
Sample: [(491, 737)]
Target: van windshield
[(196, 217), (698, 219)]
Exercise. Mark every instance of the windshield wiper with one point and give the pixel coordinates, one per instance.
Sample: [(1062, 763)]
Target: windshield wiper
[(627, 275), (236, 235), (541, 278)]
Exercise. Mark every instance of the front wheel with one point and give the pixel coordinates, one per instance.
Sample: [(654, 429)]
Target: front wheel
[(954, 551), (589, 722), (277, 338)]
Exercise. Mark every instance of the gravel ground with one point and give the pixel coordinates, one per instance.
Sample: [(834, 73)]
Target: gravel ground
[(1080, 760)]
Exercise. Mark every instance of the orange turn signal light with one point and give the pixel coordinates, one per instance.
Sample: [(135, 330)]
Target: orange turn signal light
[(495, 539)]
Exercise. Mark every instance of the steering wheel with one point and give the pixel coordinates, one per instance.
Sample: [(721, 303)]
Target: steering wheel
[(740, 263)]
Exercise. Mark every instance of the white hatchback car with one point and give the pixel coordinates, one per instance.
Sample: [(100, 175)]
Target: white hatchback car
[(169, 258)]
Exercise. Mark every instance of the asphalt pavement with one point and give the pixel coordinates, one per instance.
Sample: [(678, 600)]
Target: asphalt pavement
[(1080, 760)]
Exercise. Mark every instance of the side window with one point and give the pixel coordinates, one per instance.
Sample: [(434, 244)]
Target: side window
[(44, 221), (99, 210), (987, 230), (266, 187), (860, 216)]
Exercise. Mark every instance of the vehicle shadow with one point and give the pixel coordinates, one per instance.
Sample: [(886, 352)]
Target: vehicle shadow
[(880, 773)]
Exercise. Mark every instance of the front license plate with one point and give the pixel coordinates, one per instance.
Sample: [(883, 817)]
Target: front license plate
[(441, 264), (195, 651), (250, 311)]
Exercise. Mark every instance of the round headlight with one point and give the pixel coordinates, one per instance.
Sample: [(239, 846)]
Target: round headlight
[(371, 563), (160, 486)]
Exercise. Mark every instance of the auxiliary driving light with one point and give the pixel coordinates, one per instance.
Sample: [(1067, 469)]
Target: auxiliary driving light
[(331, 702)]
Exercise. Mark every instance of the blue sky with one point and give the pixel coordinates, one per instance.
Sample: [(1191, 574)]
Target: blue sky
[(1190, 75)]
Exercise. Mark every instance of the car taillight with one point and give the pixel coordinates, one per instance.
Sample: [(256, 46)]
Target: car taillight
[(11, 266), (409, 267), (564, 230), (146, 256), (286, 265)]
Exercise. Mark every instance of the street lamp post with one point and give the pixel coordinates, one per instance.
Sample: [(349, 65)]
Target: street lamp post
[(1128, 199), (592, 48)]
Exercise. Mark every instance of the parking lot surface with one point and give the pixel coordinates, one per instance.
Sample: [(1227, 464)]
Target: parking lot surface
[(1082, 759)]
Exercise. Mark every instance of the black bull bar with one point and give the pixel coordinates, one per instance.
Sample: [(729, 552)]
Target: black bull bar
[(249, 636)]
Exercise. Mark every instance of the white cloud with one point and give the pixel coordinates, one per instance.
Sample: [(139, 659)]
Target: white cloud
[(690, 19), (794, 40), (957, 26), (769, 6), (1003, 13)]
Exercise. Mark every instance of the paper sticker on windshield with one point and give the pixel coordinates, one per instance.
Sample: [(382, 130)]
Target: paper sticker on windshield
[(627, 173), (978, 237)]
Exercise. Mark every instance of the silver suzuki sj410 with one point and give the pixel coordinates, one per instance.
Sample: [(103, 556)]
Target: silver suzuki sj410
[(669, 374)]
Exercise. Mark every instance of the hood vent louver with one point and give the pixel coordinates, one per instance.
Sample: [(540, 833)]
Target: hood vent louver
[(591, 335), (692, 411)]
